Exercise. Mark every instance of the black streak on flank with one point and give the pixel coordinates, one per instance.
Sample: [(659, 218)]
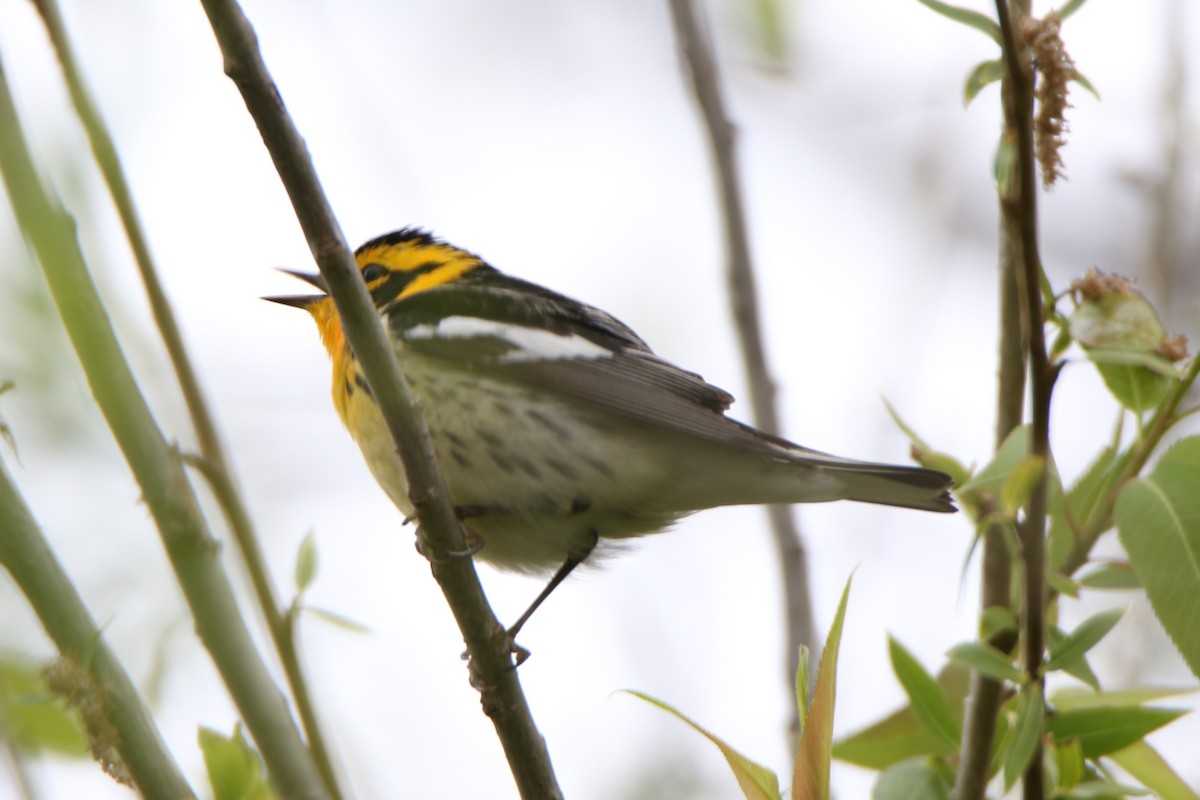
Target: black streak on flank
[(361, 383)]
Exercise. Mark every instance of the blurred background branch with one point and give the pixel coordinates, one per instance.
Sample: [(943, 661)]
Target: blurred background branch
[(696, 46)]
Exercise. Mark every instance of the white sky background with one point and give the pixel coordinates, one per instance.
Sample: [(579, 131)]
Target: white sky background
[(559, 141)]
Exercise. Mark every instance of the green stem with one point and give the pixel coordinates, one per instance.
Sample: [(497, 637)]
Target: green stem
[(194, 554), (983, 698), (29, 559), (487, 643), (1041, 378), (217, 466)]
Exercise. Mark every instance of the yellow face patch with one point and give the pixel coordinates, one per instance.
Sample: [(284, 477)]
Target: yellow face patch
[(426, 265)]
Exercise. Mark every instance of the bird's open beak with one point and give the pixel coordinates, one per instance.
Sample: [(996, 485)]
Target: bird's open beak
[(301, 300)]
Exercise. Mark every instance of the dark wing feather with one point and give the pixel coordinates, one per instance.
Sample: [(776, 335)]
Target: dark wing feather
[(631, 382)]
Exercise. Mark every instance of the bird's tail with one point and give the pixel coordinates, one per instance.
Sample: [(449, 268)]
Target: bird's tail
[(891, 485)]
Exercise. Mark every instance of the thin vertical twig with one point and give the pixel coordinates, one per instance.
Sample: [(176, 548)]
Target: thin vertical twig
[(743, 294), (487, 643), (1032, 529), (983, 698), (214, 462)]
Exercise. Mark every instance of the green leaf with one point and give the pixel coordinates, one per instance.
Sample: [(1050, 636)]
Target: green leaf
[(972, 19), (306, 563), (1078, 667), (900, 735), (987, 484), (984, 73), (1068, 757), (1111, 576), (1026, 733), (772, 27), (1070, 7), (1136, 387), (1081, 502), (1150, 769), (914, 779), (925, 455), (1018, 486), (1085, 636), (1005, 166), (1104, 790), (756, 781), (1063, 585), (1158, 518), (29, 714), (802, 687), (336, 620), (1121, 334), (1073, 698), (810, 774), (995, 620), (987, 660), (1079, 78), (924, 695), (234, 769), (1103, 730)]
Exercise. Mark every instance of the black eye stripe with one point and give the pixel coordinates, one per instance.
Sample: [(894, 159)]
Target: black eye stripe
[(374, 271)]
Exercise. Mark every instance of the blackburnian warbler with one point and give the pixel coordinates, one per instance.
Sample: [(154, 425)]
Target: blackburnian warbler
[(555, 426)]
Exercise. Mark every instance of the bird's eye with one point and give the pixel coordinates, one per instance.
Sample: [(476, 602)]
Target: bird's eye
[(373, 272)]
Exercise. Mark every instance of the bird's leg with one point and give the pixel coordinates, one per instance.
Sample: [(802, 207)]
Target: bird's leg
[(574, 559), (475, 542)]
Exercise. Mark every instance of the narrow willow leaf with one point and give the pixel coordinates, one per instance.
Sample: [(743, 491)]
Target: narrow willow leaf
[(1063, 585), (1085, 636), (972, 19), (1081, 502), (1103, 730), (924, 695), (1110, 576), (914, 779), (985, 486), (802, 687), (900, 735), (988, 660), (1078, 667), (1145, 764), (1079, 78), (983, 74), (1073, 698), (1031, 712), (1018, 486), (336, 620), (1105, 790), (306, 563), (925, 455), (1158, 518), (756, 781), (1005, 166), (1070, 7), (810, 775), (1068, 755)]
